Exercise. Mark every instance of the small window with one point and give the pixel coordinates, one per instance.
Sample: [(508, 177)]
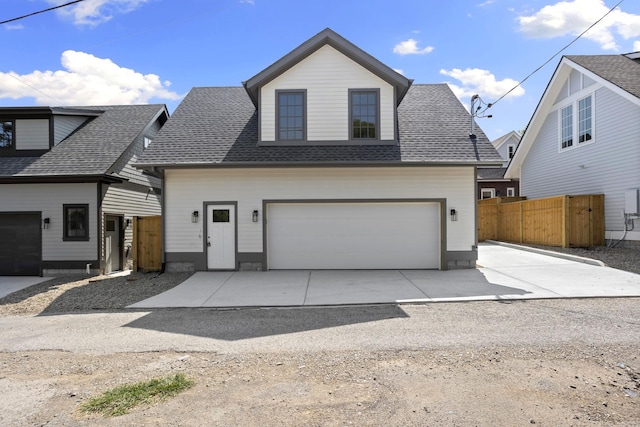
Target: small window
[(290, 115), (147, 141), (567, 126), (487, 193), (76, 222), (511, 151), (364, 111), (584, 120), (511, 192), (6, 134), (220, 215)]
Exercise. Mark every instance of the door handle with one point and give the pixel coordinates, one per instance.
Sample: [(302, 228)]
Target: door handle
[(208, 242)]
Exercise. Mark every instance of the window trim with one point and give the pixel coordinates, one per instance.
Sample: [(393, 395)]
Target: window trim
[(65, 236), (303, 92), (492, 191), (574, 103), (511, 191), (350, 107), (511, 151)]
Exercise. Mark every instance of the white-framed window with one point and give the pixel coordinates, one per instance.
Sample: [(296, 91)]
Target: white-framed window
[(511, 192), (576, 129), (147, 141), (487, 193)]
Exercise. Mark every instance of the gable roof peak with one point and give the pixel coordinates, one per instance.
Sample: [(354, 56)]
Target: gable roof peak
[(342, 45)]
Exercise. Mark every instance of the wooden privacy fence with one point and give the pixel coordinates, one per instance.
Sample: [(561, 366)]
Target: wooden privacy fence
[(565, 221), (147, 243)]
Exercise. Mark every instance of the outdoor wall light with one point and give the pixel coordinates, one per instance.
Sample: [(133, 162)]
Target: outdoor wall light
[(194, 216), (127, 223), (45, 223), (454, 214), (254, 216)]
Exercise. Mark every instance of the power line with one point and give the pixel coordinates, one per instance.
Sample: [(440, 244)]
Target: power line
[(554, 55), (40, 11)]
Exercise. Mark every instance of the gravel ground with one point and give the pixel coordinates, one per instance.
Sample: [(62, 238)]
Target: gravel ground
[(81, 294)]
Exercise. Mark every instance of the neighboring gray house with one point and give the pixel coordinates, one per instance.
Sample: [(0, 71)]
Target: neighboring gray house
[(327, 159), (583, 139), (68, 190), (491, 181)]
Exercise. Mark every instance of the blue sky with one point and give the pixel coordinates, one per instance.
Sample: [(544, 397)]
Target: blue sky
[(101, 52)]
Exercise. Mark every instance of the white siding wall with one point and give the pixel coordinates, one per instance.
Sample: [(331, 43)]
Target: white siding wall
[(186, 190), (63, 126), (327, 75), (608, 166), (32, 134), (48, 199)]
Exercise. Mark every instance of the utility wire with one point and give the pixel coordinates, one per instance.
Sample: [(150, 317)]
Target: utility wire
[(556, 54), (40, 11)]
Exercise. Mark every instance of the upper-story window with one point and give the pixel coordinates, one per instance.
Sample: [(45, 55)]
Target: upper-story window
[(6, 134), (364, 113), (511, 150), (291, 115), (583, 123)]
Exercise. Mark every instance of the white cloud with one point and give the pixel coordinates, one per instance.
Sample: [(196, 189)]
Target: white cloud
[(636, 46), (481, 82), (95, 12), (88, 80), (410, 47), (573, 17), (10, 27)]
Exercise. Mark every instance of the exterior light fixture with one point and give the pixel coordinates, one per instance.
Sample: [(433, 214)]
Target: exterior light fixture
[(45, 223), (127, 223), (254, 216), (194, 216), (454, 214)]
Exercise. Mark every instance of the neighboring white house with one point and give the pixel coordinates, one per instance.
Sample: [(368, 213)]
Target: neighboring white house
[(327, 159), (491, 181), (68, 190), (583, 138)]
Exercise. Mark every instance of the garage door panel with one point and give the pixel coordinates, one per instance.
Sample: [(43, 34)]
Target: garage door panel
[(353, 235), (20, 244)]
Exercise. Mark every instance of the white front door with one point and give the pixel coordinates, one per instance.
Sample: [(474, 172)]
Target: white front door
[(112, 244), (221, 237)]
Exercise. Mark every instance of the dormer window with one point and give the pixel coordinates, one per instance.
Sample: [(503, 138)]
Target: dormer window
[(291, 115), (6, 134), (364, 110)]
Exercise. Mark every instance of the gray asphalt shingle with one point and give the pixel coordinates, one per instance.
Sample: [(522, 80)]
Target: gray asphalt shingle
[(219, 125), (618, 69), (92, 149)]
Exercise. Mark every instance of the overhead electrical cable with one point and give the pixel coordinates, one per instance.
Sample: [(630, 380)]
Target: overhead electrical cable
[(556, 54), (40, 11)]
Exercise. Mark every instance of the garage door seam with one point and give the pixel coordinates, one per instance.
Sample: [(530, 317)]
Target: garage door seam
[(306, 291)]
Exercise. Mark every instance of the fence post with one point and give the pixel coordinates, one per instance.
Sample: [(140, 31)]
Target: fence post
[(134, 244), (566, 221)]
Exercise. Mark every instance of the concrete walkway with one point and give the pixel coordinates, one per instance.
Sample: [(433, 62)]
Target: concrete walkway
[(11, 284), (505, 272)]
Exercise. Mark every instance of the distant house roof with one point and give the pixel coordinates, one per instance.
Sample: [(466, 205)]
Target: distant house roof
[(491, 174), (331, 38), (218, 126), (93, 149)]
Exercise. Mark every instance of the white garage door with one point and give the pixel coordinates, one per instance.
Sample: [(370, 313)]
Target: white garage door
[(353, 235)]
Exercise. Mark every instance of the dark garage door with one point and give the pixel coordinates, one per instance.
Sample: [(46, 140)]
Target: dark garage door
[(20, 244)]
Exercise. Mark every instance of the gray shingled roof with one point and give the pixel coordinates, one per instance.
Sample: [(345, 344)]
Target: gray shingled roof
[(219, 126), (491, 173), (92, 149), (618, 69)]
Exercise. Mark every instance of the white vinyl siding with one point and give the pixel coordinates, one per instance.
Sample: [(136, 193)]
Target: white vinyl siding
[(609, 166), (187, 190), (48, 199), (32, 134), (327, 75)]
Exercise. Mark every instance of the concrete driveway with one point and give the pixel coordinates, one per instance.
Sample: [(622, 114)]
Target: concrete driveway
[(11, 284), (505, 272)]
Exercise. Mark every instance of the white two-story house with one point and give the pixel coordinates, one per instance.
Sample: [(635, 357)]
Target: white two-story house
[(327, 159)]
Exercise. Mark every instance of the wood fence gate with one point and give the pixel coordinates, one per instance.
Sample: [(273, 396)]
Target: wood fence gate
[(147, 243), (564, 221)]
